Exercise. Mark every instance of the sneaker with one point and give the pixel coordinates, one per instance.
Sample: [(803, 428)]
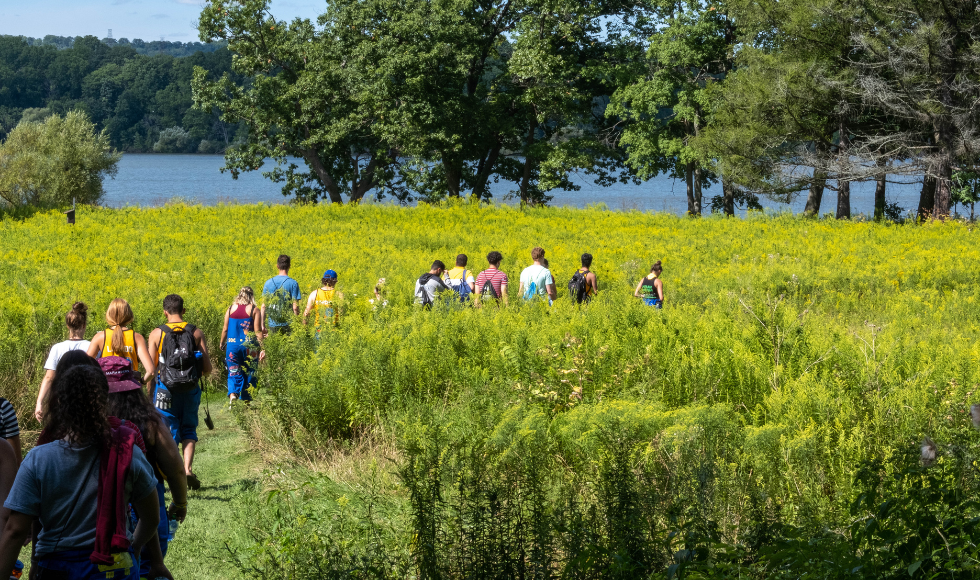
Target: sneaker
[(193, 482)]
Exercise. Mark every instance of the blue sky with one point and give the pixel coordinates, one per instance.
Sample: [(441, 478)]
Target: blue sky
[(146, 19)]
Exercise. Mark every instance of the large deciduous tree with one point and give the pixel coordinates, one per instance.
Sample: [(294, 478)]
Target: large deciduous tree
[(51, 163), (668, 108)]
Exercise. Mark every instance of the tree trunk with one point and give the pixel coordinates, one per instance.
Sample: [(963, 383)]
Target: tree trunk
[(815, 196), (843, 199), (944, 194), (689, 177), (728, 196), (362, 185), (485, 169), (843, 184), (927, 197), (526, 177), (454, 174), (880, 198), (697, 189), (313, 158)]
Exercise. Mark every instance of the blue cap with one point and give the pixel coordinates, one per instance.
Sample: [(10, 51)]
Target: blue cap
[(330, 275)]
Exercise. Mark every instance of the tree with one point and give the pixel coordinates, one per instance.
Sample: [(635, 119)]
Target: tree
[(52, 163), (668, 108), (919, 62)]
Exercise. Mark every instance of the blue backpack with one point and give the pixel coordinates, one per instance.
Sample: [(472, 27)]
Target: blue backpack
[(463, 290)]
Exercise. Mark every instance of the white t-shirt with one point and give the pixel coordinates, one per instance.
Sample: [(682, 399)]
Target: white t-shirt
[(539, 276), (59, 350)]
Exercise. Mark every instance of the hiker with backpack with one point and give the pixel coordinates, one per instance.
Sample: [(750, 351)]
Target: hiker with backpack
[(183, 354), (430, 285), (242, 344), (491, 283), (324, 304), (584, 284), (75, 319), (536, 279), (277, 293), (651, 287), (460, 280), (121, 340)]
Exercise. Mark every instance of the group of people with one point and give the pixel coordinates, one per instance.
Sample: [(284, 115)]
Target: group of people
[(536, 282), (120, 412)]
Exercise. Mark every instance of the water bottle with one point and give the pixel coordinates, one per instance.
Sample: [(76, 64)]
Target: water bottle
[(174, 524), (198, 354), (18, 570)]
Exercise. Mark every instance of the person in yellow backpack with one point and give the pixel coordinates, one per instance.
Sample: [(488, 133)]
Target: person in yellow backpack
[(121, 340), (324, 303)]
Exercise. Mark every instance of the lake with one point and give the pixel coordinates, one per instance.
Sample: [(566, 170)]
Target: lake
[(152, 179)]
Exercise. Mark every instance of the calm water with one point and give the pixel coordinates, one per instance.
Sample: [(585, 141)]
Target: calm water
[(152, 179)]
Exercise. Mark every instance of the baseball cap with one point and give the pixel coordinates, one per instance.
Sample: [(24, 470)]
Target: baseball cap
[(120, 374), (330, 275)]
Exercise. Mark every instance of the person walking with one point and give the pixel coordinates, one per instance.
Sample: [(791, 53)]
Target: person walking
[(121, 340), (242, 345), (584, 284), (460, 280), (324, 304), (183, 352), (536, 279), (651, 287), (277, 293), (80, 478), (10, 428), (76, 320), (492, 283), (128, 402), (430, 285)]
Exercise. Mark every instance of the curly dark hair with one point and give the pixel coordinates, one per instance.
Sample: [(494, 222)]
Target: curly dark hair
[(134, 406), (77, 405)]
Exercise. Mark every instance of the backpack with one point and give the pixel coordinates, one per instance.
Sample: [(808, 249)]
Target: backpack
[(181, 369), (488, 291), (531, 291), (577, 287), (463, 290), (423, 280), (278, 305)]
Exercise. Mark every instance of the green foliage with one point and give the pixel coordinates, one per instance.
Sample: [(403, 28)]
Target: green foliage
[(51, 163), (174, 140)]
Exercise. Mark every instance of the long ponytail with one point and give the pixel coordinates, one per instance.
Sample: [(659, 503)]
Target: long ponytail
[(119, 315)]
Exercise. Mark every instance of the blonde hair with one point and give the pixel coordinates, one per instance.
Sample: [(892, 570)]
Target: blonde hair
[(246, 296), (118, 315)]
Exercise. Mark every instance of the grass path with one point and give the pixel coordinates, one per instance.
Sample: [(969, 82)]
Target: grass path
[(227, 469)]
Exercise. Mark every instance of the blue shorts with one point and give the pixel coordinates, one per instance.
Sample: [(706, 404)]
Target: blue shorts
[(655, 302), (241, 372), (75, 565), (181, 417)]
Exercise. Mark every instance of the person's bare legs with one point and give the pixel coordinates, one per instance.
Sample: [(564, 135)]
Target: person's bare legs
[(188, 455)]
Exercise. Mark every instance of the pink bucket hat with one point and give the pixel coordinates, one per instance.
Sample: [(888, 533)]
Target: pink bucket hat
[(120, 374)]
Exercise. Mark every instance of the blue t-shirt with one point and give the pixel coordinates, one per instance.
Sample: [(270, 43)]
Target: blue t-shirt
[(50, 482), (278, 292)]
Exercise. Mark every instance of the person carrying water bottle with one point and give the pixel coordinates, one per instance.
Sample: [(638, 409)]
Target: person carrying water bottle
[(183, 352), (536, 279), (460, 280), (651, 288), (242, 345), (324, 304)]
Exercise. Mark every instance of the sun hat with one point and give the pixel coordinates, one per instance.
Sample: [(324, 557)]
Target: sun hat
[(330, 275), (120, 374)]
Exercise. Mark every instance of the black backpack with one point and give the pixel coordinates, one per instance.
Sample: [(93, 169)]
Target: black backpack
[(423, 280), (577, 287), (181, 369), (488, 291)]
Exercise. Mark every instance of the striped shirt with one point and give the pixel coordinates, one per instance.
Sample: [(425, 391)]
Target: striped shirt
[(8, 420), (495, 277)]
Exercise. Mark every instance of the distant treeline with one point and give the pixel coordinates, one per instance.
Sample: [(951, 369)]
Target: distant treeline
[(139, 92)]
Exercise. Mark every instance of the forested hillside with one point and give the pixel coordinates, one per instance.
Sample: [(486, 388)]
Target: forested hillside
[(137, 91)]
